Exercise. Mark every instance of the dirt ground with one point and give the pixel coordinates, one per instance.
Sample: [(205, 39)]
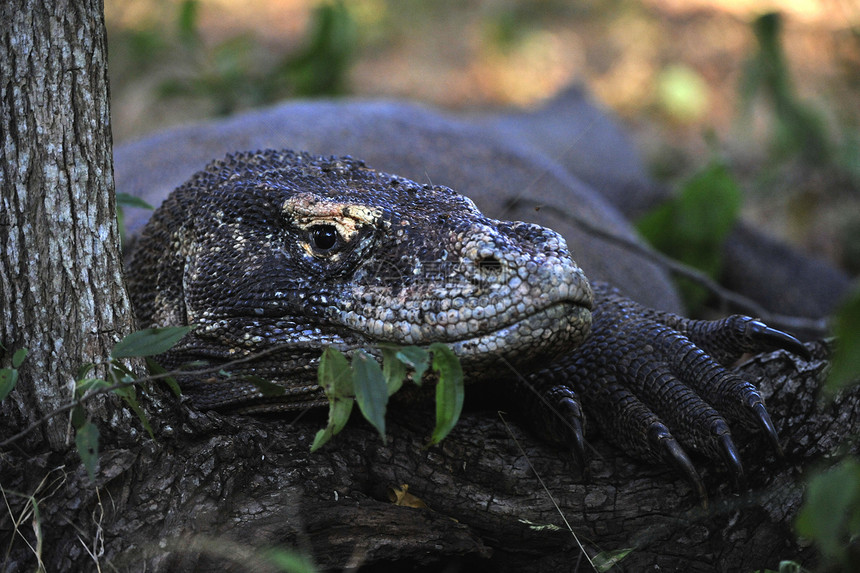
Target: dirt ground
[(671, 69)]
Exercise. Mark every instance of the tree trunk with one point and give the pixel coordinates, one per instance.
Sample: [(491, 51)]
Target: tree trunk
[(215, 492), (61, 291)]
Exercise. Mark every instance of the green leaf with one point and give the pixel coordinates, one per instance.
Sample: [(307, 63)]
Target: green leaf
[(449, 391), (84, 370), (846, 358), (79, 416), (18, 357), (129, 395), (87, 442), (393, 369), (335, 377), (788, 566), (8, 379), (149, 342), (371, 390), (830, 515), (87, 384), (417, 359), (290, 561), (334, 374), (127, 200), (606, 560), (692, 226), (156, 369), (268, 388), (187, 22)]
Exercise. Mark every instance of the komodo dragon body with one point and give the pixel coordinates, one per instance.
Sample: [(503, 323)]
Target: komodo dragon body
[(289, 252)]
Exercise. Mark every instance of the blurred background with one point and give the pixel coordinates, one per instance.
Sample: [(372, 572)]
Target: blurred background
[(772, 88)]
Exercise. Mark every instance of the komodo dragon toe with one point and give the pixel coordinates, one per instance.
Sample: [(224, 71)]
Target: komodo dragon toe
[(275, 255)]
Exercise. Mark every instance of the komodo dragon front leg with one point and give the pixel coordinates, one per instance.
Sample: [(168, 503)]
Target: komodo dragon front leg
[(287, 253)]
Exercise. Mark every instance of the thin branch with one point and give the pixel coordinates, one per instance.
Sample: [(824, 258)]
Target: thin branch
[(137, 382)]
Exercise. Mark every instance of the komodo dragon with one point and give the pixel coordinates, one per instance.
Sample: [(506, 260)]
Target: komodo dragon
[(274, 250), (508, 179)]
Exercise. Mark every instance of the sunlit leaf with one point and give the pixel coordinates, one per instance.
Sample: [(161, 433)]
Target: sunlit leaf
[(449, 390), (371, 390), (149, 342), (87, 443)]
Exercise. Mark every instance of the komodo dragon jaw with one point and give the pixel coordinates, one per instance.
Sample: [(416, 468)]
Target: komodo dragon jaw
[(287, 252)]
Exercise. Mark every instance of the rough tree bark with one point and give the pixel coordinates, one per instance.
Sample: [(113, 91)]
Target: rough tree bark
[(61, 290), (212, 492)]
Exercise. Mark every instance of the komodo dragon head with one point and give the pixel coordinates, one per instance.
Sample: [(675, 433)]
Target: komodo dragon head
[(288, 250)]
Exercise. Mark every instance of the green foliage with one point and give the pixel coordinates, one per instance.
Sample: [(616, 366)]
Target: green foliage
[(87, 443), (683, 93), (845, 369), (149, 342), (237, 73), (290, 561), (335, 378), (9, 376), (369, 385), (449, 391), (371, 389), (125, 200), (692, 226), (144, 343), (606, 560), (830, 515), (799, 128)]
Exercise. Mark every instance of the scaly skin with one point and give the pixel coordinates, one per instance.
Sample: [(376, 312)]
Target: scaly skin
[(288, 253)]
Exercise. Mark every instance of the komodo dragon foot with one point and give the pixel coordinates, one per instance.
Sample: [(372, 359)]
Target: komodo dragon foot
[(642, 372)]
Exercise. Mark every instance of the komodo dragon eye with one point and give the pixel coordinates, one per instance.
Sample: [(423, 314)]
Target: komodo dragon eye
[(324, 238)]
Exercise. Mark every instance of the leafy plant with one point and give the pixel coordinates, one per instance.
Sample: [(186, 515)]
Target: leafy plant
[(799, 128), (692, 226), (9, 376), (365, 383), (236, 73), (144, 343), (845, 369), (124, 200), (830, 515)]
